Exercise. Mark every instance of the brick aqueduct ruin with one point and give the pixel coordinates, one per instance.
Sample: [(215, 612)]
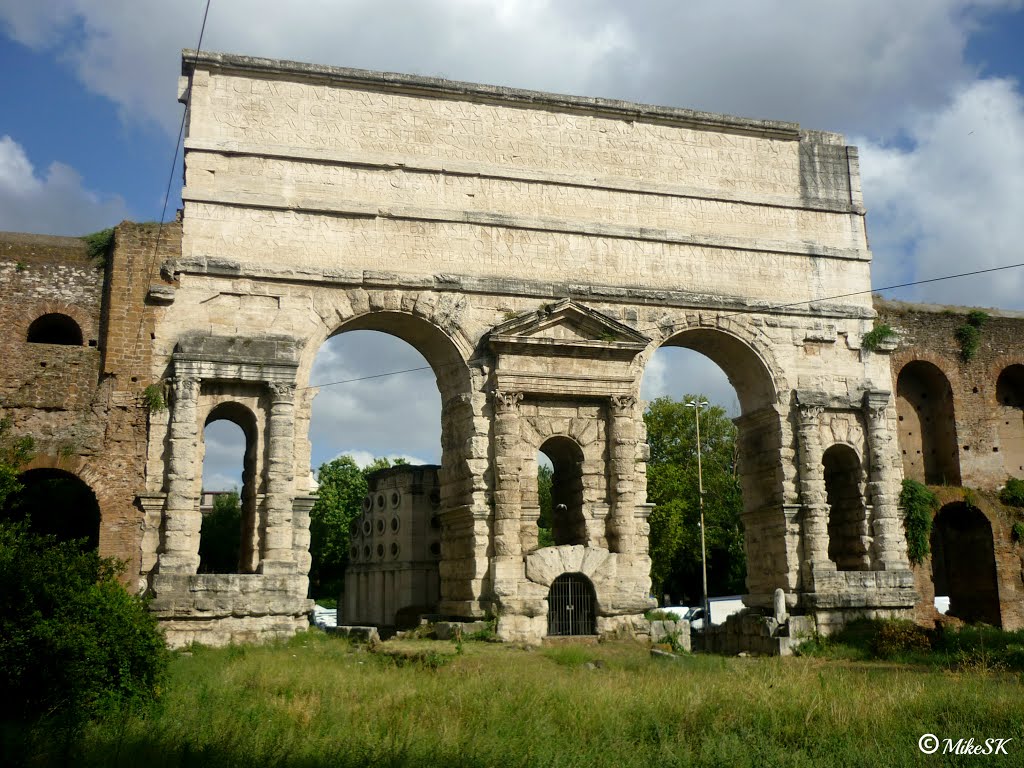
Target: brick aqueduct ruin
[(536, 249)]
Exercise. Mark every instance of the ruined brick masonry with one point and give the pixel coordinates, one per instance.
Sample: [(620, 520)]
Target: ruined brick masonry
[(536, 249)]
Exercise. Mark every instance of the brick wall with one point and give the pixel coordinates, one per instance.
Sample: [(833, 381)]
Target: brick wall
[(960, 427), (82, 403)]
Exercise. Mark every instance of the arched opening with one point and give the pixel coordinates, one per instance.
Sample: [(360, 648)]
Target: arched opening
[(421, 416), (927, 428), (55, 328), (848, 542), (229, 540), (57, 503), (562, 512), (572, 606), (964, 564), (1010, 396), (740, 460)]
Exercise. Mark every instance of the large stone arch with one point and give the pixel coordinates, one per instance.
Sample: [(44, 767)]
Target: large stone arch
[(748, 362), (427, 322), (926, 410), (1009, 395), (57, 502)]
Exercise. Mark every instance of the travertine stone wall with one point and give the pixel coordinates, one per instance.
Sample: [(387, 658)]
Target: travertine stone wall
[(536, 249)]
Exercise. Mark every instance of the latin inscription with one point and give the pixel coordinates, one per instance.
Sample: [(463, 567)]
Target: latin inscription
[(322, 116), (322, 185), (285, 240)]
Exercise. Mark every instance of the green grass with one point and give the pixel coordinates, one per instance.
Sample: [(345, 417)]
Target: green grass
[(320, 701)]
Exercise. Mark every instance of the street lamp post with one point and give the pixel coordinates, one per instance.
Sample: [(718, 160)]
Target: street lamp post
[(698, 405)]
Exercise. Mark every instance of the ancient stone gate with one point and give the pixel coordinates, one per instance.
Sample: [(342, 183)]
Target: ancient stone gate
[(536, 249)]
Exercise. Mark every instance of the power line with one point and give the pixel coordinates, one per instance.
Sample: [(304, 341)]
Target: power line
[(170, 178), (723, 316)]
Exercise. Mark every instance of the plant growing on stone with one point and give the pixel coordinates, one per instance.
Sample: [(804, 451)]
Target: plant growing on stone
[(919, 506), (153, 398), (98, 245), (1012, 494), (1017, 532), (968, 335), (877, 336)]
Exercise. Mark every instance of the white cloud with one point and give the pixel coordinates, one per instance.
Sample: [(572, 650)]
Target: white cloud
[(952, 201), (56, 202), (855, 66), (677, 372)]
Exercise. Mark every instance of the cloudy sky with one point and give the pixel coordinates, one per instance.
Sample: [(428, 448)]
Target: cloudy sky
[(930, 90)]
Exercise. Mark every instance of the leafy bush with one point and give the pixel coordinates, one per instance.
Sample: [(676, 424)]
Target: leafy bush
[(895, 638), (1017, 532), (968, 335), (73, 643), (1013, 493), (919, 506)]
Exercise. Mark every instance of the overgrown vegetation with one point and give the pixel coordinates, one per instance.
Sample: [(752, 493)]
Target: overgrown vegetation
[(877, 336), (319, 701), (975, 648), (15, 451), (153, 398), (919, 506), (99, 244), (1012, 494), (968, 335)]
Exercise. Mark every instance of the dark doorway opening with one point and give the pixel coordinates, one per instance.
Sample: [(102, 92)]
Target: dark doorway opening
[(572, 606), (56, 503), (964, 564)]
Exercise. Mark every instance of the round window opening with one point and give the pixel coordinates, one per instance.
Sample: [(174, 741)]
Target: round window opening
[(380, 550), (367, 528), (435, 549), (394, 525), (435, 522), (366, 552), (395, 498), (380, 501), (354, 552), (380, 526), (367, 504), (394, 549)]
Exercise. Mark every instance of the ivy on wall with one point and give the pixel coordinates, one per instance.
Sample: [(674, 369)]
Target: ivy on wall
[(877, 336), (919, 506), (968, 335)]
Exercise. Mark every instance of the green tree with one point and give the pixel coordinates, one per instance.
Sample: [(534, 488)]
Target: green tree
[(220, 540), (545, 478), (340, 501), (672, 485)]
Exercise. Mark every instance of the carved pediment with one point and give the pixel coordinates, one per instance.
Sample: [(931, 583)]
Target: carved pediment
[(571, 328)]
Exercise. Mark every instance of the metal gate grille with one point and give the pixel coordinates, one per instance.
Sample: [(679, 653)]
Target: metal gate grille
[(571, 606)]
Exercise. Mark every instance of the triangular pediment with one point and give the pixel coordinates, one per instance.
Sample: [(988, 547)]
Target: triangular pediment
[(566, 323)]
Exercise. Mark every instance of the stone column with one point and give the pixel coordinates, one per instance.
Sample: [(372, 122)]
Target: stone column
[(622, 467), (812, 491), (278, 556), (182, 519), (889, 547), (507, 564)]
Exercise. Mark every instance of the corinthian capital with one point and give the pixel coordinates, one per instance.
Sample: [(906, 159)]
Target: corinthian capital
[(506, 401), (185, 388), (622, 404), (282, 390)]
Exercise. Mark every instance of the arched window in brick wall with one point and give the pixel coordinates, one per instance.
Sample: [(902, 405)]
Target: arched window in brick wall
[(964, 564), (848, 537), (927, 427), (56, 503), (55, 328), (1010, 394)]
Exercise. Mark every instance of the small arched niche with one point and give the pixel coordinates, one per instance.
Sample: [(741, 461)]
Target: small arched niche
[(927, 427), (848, 538), (567, 522), (55, 328)]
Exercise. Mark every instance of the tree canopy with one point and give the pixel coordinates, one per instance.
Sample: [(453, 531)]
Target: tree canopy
[(672, 485), (340, 501)]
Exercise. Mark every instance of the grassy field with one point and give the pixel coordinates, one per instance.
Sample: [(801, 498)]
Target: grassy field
[(318, 701)]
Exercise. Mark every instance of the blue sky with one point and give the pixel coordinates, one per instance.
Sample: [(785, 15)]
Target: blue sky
[(930, 90)]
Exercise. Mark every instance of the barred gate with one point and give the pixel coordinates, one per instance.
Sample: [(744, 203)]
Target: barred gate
[(571, 606)]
